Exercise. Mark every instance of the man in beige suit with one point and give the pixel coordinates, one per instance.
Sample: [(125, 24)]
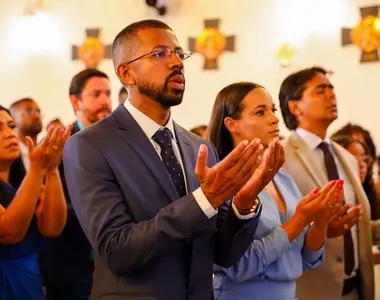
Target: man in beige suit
[(308, 105)]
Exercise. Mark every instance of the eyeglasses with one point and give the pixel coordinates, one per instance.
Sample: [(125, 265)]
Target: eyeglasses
[(32, 111), (164, 53)]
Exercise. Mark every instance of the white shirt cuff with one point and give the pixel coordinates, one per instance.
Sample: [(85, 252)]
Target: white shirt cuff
[(244, 217), (204, 204)]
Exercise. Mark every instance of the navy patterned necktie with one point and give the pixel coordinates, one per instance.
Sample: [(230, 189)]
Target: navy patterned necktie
[(163, 138), (332, 173)]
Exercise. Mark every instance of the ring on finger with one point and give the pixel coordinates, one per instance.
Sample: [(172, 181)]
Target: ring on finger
[(55, 147), (346, 227)]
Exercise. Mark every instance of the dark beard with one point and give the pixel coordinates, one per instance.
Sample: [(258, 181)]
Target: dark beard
[(162, 95), (93, 116), (33, 130)]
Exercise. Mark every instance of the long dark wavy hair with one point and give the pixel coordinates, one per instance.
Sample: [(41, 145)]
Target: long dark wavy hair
[(368, 185), (16, 175), (228, 103), (350, 129)]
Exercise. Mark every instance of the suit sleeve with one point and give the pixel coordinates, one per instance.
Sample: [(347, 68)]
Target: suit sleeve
[(234, 235), (123, 245)]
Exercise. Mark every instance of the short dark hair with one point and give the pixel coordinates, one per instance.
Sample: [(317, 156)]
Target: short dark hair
[(130, 35), (16, 175), (53, 121), (79, 80), (292, 88), (197, 130), (15, 104), (228, 103)]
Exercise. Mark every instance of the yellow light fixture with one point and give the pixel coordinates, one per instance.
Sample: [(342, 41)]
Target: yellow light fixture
[(285, 53), (211, 43), (366, 34)]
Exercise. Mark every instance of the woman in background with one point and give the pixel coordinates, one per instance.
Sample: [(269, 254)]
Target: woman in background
[(358, 149), (358, 142), (362, 135), (28, 210), (285, 243)]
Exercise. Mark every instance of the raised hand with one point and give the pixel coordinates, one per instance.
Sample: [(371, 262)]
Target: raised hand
[(330, 204), (42, 156), (59, 144), (342, 221), (222, 181), (320, 205), (274, 158)]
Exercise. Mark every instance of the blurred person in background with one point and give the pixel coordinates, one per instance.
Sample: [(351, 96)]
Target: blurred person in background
[(29, 209)]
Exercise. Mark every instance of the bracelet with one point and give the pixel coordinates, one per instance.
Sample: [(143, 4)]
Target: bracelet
[(251, 210)]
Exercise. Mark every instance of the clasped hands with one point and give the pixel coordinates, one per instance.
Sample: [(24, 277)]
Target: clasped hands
[(48, 155), (324, 208), (320, 205), (241, 175), (342, 221)]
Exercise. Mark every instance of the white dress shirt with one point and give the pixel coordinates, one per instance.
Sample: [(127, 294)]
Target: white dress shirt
[(150, 127), (313, 141), (24, 155)]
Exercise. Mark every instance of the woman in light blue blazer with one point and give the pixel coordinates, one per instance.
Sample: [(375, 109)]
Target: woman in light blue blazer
[(285, 243)]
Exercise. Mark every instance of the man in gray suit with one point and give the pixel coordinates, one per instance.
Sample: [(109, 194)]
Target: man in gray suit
[(156, 227), (309, 106)]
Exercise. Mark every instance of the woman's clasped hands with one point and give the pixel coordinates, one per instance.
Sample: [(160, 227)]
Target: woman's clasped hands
[(321, 204)]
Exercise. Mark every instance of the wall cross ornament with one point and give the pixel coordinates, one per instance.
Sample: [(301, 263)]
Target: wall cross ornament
[(92, 51), (365, 35), (211, 43)]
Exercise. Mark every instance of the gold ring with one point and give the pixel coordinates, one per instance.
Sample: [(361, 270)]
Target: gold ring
[(55, 147), (345, 226)]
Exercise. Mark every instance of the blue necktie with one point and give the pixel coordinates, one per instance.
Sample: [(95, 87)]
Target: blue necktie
[(163, 138)]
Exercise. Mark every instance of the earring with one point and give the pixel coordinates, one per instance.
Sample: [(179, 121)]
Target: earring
[(236, 132)]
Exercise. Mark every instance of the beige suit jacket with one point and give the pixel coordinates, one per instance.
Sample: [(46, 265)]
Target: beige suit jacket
[(326, 281)]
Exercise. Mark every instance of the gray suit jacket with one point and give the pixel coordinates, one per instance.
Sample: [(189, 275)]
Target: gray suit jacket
[(326, 281), (128, 208)]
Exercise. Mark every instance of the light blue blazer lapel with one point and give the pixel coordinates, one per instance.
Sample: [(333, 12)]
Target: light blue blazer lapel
[(132, 133)]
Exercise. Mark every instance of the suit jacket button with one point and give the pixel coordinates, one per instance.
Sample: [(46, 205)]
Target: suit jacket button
[(192, 290), (339, 260)]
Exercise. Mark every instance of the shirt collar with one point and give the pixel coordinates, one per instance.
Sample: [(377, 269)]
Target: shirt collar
[(311, 139), (80, 125), (149, 126)]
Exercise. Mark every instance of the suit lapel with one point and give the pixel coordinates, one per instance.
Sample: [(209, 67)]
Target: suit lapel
[(132, 133), (305, 156), (188, 156)]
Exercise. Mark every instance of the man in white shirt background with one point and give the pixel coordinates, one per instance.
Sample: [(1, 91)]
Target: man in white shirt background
[(27, 116), (309, 106)]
